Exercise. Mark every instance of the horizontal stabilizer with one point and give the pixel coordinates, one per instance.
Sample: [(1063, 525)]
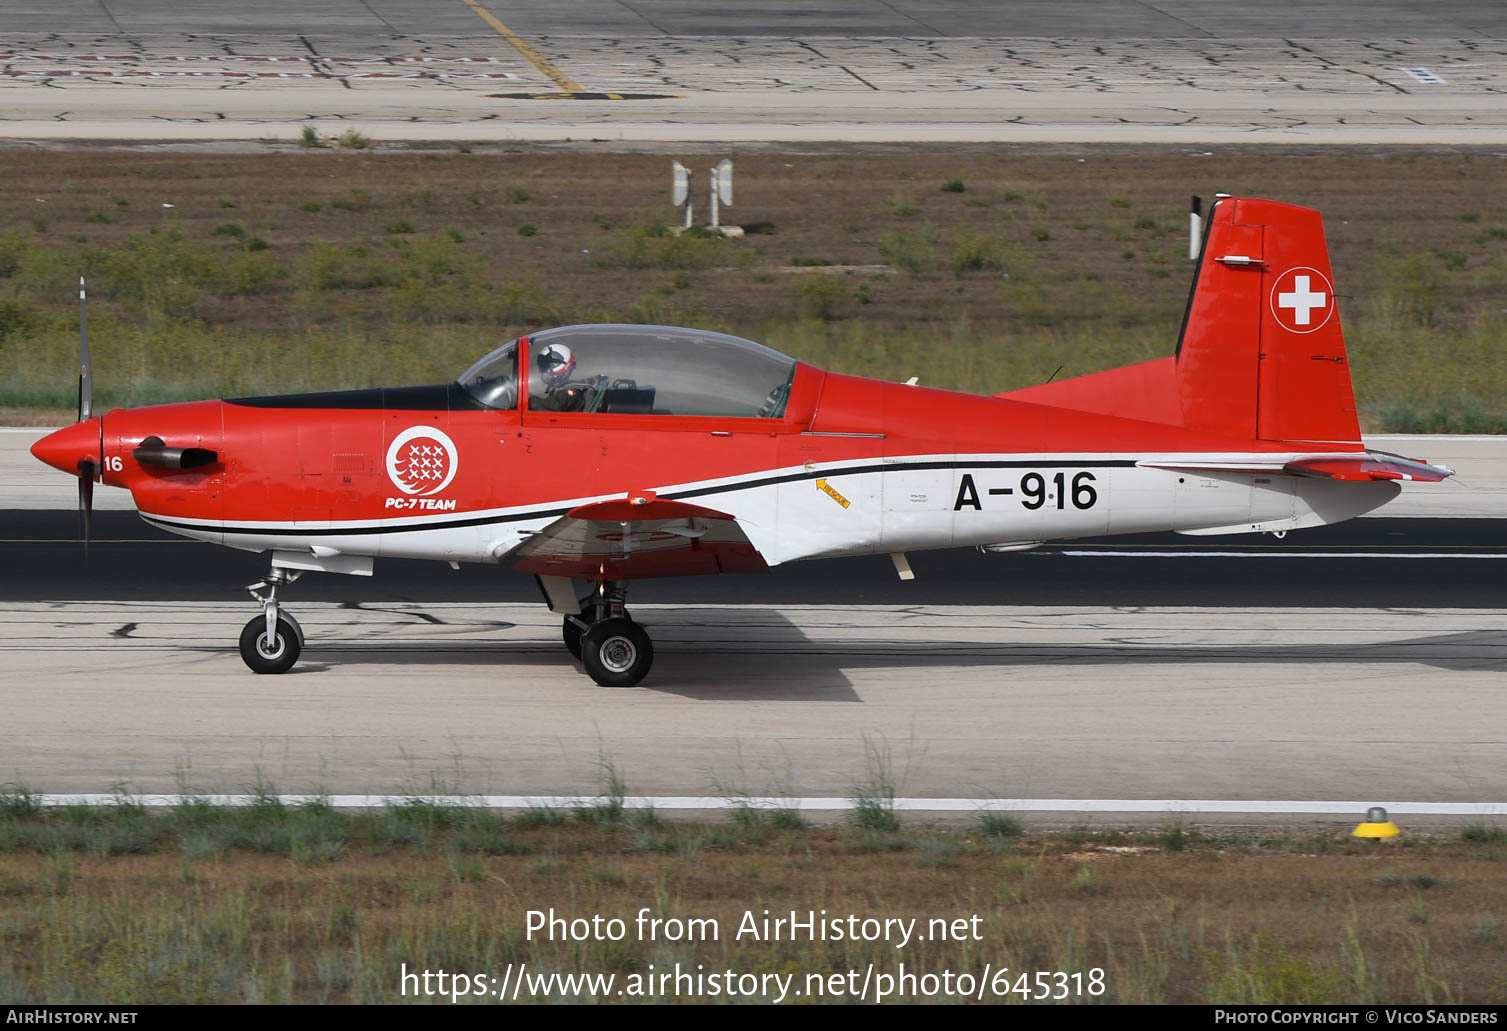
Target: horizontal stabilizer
[(1218, 467), (1372, 465), (1363, 465)]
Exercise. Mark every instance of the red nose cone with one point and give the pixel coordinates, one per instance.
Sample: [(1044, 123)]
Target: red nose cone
[(65, 448)]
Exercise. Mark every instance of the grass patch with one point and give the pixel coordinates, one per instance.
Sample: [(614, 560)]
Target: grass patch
[(977, 252), (301, 904), (912, 251), (539, 816), (999, 825), (1174, 837), (1475, 833), (820, 297), (188, 321), (873, 798)]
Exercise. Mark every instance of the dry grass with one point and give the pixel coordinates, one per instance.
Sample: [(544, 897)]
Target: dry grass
[(334, 267), (273, 904)]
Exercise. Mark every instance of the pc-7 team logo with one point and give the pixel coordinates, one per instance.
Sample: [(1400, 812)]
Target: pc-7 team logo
[(422, 460)]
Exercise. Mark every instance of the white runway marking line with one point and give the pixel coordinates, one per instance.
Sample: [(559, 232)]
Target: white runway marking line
[(1425, 76), (819, 804)]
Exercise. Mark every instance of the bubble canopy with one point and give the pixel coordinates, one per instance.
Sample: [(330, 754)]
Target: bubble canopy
[(642, 370)]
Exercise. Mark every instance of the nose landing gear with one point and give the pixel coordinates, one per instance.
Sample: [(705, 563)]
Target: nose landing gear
[(271, 642)]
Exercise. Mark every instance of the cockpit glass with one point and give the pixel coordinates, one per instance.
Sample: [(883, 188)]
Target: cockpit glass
[(493, 381), (656, 370)]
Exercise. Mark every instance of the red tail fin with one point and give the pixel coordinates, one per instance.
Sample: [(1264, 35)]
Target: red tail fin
[(1261, 354)]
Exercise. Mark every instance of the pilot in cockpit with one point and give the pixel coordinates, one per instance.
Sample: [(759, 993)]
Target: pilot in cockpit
[(556, 364)]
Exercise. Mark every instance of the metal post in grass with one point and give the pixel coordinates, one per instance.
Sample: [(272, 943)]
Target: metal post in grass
[(721, 188), (682, 190)]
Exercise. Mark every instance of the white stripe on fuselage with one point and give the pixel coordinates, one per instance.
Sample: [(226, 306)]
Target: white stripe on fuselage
[(913, 503), (1264, 460)]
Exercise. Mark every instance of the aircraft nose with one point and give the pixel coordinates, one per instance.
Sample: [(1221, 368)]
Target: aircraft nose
[(65, 448)]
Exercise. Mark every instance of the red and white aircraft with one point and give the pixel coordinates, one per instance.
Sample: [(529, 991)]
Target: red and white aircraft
[(610, 453)]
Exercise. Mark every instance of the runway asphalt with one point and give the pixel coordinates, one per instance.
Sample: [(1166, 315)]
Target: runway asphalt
[(1395, 563)]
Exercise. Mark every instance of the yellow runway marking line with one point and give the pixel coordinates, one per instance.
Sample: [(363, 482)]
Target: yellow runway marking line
[(546, 67)]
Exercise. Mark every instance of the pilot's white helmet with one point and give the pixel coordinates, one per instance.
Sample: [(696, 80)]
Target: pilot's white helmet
[(555, 364)]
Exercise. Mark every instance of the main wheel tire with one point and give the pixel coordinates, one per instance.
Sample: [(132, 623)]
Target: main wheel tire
[(616, 652), (571, 632), (254, 646)]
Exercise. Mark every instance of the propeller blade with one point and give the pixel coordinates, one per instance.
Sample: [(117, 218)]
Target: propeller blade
[(85, 380), (86, 500)]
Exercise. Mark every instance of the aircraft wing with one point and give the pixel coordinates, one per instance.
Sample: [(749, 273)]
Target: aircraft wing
[(635, 538)]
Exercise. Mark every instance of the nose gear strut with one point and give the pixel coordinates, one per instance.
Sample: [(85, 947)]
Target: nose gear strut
[(271, 642)]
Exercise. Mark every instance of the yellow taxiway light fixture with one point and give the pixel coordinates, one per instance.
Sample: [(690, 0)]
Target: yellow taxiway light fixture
[(1376, 825)]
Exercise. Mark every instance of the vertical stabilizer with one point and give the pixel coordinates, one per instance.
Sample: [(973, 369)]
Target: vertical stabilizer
[(1261, 352)]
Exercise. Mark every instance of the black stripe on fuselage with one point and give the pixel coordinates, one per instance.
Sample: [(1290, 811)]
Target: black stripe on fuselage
[(697, 492), (441, 397)]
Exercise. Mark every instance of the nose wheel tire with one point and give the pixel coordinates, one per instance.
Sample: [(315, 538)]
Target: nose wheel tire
[(261, 659), (616, 652)]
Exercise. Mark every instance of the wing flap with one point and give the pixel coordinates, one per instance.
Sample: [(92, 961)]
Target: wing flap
[(637, 538)]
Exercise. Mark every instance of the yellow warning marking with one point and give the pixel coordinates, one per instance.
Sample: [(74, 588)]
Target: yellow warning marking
[(831, 492), (546, 67)]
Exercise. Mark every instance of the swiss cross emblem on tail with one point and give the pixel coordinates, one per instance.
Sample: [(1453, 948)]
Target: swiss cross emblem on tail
[(1302, 300), (422, 460)]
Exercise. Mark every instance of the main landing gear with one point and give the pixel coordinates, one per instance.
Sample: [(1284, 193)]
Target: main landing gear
[(602, 635), (614, 649), (271, 642)]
